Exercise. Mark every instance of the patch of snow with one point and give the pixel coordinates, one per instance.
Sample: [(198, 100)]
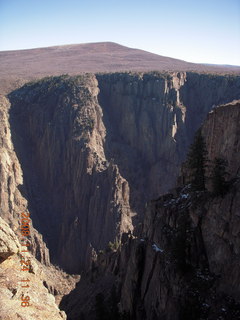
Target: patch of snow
[(205, 277), (205, 305), (155, 248)]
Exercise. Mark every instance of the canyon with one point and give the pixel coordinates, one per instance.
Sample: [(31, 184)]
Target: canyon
[(185, 261), (87, 155), (94, 149)]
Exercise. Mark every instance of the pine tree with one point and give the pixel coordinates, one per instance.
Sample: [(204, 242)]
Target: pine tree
[(197, 162), (219, 183)]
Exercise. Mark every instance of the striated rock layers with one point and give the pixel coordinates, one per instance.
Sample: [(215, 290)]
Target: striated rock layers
[(94, 149), (185, 263)]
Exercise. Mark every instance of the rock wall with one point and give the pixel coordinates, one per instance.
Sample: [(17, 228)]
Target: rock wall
[(190, 257), (78, 198), (46, 281), (12, 201), (151, 119), (221, 135), (185, 262)]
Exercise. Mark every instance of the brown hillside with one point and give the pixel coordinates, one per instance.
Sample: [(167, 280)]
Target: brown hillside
[(92, 57)]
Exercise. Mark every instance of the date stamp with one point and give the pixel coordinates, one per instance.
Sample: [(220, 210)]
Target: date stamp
[(25, 259)]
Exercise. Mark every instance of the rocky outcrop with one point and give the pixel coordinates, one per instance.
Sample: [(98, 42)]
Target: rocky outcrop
[(221, 135), (10, 170), (9, 243), (185, 262), (94, 149), (43, 281)]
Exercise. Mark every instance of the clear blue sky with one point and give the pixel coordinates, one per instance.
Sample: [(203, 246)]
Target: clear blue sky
[(196, 31)]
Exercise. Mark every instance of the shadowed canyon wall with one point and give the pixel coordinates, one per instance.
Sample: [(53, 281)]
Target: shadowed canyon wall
[(45, 280), (185, 263)]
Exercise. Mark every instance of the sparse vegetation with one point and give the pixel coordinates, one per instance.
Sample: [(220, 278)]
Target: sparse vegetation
[(113, 246)]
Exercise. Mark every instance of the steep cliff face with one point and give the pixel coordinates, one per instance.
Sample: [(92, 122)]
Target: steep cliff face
[(190, 256), (185, 263), (94, 149), (221, 229), (45, 279), (151, 119), (12, 201), (78, 198), (222, 133)]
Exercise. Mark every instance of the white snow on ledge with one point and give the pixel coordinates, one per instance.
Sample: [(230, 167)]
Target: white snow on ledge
[(155, 248)]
